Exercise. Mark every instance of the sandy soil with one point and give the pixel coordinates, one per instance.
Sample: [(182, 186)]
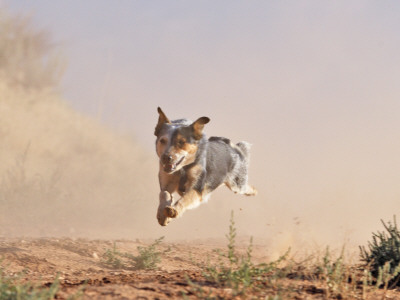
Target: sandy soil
[(78, 263)]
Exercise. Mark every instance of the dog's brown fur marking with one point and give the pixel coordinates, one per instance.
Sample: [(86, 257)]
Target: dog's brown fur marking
[(190, 179), (181, 143)]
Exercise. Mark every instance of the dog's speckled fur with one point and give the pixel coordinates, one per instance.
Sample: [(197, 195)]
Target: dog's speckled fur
[(194, 166)]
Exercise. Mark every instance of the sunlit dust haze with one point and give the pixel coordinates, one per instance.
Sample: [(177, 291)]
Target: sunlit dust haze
[(313, 86)]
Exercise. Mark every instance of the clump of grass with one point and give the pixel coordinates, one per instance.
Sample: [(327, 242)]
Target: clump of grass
[(334, 273), (112, 258), (14, 288), (148, 258), (383, 255), (240, 274)]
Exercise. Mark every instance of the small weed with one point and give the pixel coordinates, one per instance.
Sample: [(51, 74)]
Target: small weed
[(333, 272), (366, 282), (240, 274), (148, 259), (15, 288), (387, 275), (111, 258)]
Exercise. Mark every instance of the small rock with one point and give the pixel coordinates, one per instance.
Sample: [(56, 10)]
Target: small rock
[(228, 291)]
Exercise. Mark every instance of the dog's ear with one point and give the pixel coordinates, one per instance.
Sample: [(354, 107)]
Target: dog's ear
[(198, 126), (162, 119)]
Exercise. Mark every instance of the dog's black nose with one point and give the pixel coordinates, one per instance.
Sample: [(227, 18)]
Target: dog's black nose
[(167, 158)]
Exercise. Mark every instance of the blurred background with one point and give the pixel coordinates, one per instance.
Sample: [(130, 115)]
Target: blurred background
[(314, 86)]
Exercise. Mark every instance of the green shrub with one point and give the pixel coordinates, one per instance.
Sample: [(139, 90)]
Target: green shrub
[(112, 258), (148, 259), (383, 254), (12, 288)]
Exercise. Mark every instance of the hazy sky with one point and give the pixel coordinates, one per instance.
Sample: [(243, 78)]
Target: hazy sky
[(292, 66), (314, 85)]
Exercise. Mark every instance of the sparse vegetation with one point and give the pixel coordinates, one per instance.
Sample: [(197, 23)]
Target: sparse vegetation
[(239, 273), (328, 275), (148, 259), (16, 288), (383, 255), (232, 273), (112, 258), (339, 279)]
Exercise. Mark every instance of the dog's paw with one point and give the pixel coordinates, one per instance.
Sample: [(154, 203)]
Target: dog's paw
[(163, 220), (170, 212), (251, 191)]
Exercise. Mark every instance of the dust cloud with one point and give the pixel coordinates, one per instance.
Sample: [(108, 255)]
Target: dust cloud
[(319, 102)]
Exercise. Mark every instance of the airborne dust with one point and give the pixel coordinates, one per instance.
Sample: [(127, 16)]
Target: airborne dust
[(320, 106)]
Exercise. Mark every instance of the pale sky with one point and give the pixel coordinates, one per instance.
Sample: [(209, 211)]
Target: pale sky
[(313, 85), (297, 62)]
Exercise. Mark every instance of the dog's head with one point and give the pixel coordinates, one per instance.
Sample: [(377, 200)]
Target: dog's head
[(177, 141)]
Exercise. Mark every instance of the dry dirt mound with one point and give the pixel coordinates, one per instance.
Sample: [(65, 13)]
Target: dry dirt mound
[(65, 174)]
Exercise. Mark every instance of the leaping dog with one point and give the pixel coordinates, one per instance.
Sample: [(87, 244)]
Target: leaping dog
[(194, 166)]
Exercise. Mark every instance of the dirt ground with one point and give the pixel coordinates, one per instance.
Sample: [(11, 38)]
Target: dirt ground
[(79, 266)]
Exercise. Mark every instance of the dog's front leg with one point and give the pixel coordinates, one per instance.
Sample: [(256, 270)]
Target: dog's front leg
[(190, 200), (165, 200), (168, 185)]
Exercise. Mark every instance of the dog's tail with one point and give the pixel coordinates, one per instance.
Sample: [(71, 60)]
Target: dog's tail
[(244, 148)]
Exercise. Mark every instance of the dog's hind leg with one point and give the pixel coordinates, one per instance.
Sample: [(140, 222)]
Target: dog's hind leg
[(250, 190), (238, 183), (245, 189)]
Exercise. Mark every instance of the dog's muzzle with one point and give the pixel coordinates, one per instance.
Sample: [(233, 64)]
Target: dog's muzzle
[(169, 164)]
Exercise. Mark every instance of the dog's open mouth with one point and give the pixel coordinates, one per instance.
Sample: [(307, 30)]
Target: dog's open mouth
[(169, 168)]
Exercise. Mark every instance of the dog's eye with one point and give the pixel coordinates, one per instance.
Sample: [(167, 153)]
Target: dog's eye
[(181, 143), (163, 141)]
